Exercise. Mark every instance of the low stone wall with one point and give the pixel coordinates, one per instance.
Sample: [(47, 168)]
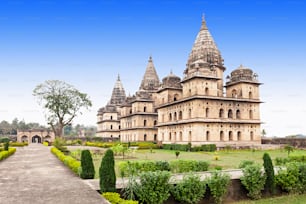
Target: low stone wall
[(296, 142)]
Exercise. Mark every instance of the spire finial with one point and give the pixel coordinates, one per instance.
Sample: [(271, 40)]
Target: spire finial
[(118, 78), (150, 58), (203, 17), (203, 27)]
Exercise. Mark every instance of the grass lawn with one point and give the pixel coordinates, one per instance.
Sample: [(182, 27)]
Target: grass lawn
[(226, 159), (290, 199)]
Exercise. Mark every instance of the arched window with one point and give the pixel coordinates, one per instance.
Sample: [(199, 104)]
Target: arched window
[(155, 137), (145, 109), (189, 92), (207, 136), (230, 136), (111, 117), (170, 136), (230, 113), (175, 97), (111, 127), (175, 116), (170, 117), (155, 122), (119, 127), (250, 114), (234, 93), (252, 135), (145, 123), (145, 137), (207, 112), (238, 114), (111, 136), (189, 136), (180, 115), (181, 136), (206, 91), (174, 137), (221, 136), (189, 113), (239, 136), (221, 113), (250, 95)]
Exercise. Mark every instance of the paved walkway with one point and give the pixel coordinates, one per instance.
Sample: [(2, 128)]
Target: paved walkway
[(33, 175)]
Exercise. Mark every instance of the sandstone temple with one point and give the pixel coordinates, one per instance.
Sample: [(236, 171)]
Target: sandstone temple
[(199, 108)]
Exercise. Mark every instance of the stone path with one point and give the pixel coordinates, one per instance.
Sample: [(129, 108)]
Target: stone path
[(33, 175)]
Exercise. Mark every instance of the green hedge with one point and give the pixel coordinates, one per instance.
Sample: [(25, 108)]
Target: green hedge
[(69, 161), (6, 154), (114, 198), (181, 166), (140, 145), (175, 166), (279, 161), (101, 144), (186, 147), (18, 144)]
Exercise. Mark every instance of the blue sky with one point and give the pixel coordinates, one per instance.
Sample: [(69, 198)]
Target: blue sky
[(87, 43)]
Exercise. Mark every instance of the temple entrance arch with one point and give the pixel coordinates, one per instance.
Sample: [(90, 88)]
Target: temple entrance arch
[(36, 139)]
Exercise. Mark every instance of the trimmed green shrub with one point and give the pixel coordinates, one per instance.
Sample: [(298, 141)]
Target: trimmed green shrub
[(88, 169), (175, 166), (162, 165), (279, 161), (5, 154), (153, 187), (218, 184), (269, 171), (107, 173), (302, 178), (69, 161), (253, 180), (245, 163), (18, 144), (178, 147), (288, 179), (6, 146), (60, 143), (114, 198), (190, 190), (297, 158), (4, 140), (181, 166)]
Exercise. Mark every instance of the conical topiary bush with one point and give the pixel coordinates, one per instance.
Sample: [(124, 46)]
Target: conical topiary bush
[(107, 173), (88, 169)]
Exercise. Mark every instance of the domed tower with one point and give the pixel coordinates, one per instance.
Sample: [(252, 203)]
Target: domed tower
[(206, 63), (242, 83), (170, 90)]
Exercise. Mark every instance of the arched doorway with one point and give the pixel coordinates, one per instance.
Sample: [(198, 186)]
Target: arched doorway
[(24, 138), (36, 139)]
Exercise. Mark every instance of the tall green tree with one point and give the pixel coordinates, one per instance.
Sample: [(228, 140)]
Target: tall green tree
[(62, 102), (107, 172), (269, 171)]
